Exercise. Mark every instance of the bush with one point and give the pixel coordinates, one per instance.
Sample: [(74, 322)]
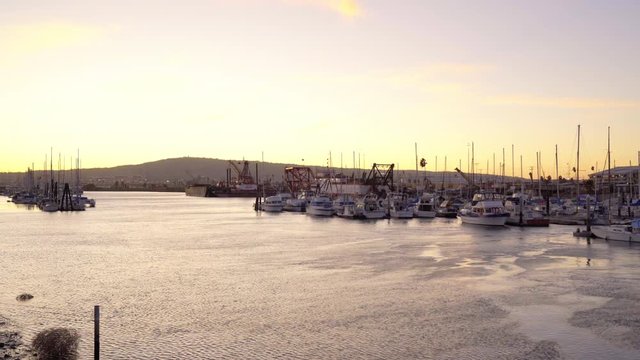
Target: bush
[(57, 344)]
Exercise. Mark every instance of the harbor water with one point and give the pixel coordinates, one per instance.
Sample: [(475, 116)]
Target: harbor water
[(182, 277)]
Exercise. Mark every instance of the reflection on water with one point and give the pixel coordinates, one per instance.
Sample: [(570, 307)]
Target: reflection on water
[(182, 277)]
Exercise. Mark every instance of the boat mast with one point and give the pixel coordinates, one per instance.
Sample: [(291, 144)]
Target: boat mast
[(51, 173), (578, 166), (609, 167), (445, 169), (557, 176), (502, 169), (78, 187), (538, 173), (521, 177), (513, 164), (473, 165), (416, 151)]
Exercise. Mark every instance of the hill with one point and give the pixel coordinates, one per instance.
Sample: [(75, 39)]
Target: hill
[(174, 171)]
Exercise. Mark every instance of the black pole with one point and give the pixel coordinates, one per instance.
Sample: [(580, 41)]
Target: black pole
[(96, 332), (588, 216), (520, 207)]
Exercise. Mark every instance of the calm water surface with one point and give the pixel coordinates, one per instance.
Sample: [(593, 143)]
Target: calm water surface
[(195, 278)]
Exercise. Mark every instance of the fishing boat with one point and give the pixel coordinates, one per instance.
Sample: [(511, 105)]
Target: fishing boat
[(24, 198), (619, 232), (273, 204), (425, 208), (371, 207), (524, 213), (399, 207), (320, 205), (449, 208), (298, 204), (485, 209), (350, 211), (80, 200), (341, 201), (49, 205)]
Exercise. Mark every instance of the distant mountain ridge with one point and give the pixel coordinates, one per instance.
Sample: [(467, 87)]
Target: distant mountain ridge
[(188, 169), (185, 168), (177, 172)]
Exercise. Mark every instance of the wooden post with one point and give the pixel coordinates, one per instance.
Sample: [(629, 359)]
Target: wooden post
[(96, 332)]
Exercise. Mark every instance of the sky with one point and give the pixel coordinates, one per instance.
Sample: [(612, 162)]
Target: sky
[(305, 81)]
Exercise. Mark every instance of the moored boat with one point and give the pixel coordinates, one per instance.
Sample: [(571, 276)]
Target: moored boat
[(272, 204), (320, 205), (341, 201), (485, 209), (425, 207), (350, 211), (49, 205), (449, 208), (298, 204), (370, 207), (522, 213), (619, 232), (399, 206)]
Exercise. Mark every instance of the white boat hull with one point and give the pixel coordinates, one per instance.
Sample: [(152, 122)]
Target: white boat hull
[(374, 214), (50, 207), (515, 220), (424, 214), (615, 233), (295, 205), (484, 220), (349, 212), (401, 214), (272, 208), (316, 211)]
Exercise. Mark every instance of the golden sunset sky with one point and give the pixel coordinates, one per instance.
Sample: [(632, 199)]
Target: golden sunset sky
[(141, 80)]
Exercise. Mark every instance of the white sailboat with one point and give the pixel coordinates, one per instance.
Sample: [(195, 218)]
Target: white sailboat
[(619, 232)]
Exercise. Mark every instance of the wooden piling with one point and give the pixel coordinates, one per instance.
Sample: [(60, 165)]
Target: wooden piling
[(96, 332)]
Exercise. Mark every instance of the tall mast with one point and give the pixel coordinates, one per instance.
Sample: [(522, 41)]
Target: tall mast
[(445, 169), (578, 164), (473, 165), (51, 192), (513, 164), (494, 165), (78, 188), (557, 176), (416, 151), (502, 168), (538, 173), (609, 166)]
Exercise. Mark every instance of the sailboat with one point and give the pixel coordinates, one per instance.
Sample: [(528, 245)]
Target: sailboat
[(619, 232)]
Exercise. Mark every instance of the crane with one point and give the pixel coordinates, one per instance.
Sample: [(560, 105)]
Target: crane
[(244, 175)]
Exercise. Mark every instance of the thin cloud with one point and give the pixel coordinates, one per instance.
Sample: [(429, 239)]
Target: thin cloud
[(561, 102)]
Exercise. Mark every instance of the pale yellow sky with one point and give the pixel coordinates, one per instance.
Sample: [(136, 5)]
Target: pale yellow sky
[(297, 79)]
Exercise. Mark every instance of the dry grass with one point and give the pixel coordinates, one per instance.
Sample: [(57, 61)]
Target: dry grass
[(57, 344)]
